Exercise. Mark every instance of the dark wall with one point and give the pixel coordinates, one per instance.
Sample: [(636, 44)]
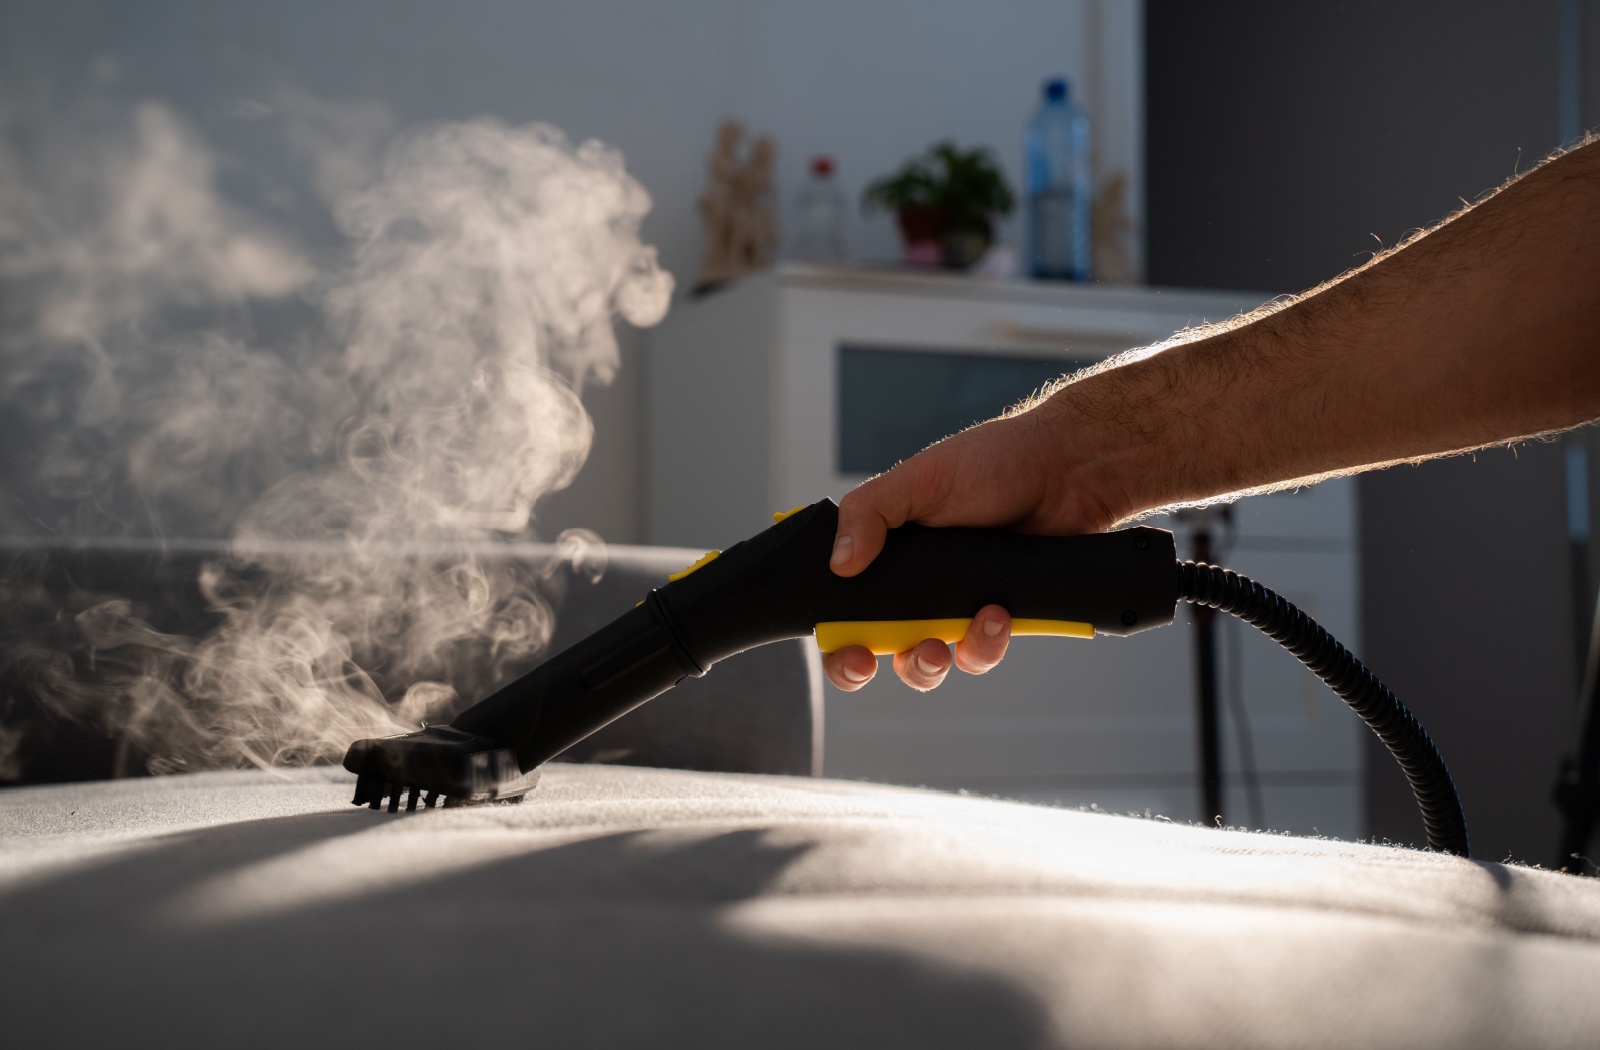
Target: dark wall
[(1282, 139)]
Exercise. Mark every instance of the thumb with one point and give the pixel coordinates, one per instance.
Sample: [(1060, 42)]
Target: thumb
[(870, 510)]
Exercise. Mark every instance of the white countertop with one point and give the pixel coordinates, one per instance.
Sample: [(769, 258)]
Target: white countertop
[(952, 285)]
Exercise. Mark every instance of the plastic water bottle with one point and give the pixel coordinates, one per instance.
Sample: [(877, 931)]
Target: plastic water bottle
[(820, 208), (1058, 187)]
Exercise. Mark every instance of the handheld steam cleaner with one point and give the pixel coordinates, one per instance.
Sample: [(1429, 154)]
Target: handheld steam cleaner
[(927, 583)]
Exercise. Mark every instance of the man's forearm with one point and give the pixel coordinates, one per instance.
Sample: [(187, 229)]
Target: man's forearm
[(1484, 330)]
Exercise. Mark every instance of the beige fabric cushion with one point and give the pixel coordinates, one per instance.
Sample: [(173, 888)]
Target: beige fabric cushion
[(623, 906)]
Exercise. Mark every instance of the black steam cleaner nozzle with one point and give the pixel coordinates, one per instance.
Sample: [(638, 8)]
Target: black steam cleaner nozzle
[(775, 585), (437, 763), (926, 583)]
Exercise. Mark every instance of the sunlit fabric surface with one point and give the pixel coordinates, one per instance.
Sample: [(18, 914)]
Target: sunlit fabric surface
[(627, 906)]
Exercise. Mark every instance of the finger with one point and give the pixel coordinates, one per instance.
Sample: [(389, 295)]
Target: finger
[(868, 511), (924, 665), (851, 667), (862, 527), (985, 642)]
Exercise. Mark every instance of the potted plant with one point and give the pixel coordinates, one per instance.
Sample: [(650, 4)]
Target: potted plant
[(945, 201)]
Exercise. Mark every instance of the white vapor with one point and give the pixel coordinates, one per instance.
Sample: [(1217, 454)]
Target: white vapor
[(415, 394)]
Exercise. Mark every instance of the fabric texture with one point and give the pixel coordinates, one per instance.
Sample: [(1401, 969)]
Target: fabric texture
[(624, 906)]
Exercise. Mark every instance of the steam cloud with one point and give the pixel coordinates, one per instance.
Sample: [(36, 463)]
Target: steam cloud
[(334, 413)]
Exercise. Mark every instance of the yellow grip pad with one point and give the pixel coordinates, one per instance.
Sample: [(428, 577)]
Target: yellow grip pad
[(699, 563), (887, 637)]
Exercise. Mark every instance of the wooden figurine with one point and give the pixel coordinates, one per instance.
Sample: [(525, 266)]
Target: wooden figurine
[(1112, 235), (741, 231)]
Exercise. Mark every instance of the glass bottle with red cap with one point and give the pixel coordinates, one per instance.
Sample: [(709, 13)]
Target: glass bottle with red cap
[(819, 216)]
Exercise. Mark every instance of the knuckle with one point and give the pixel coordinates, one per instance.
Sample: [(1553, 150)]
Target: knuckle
[(847, 671), (975, 665)]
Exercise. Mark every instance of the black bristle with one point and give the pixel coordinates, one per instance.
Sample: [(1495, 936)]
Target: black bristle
[(437, 766)]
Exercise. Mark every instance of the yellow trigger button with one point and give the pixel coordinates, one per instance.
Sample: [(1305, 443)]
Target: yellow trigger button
[(779, 515), (705, 559)]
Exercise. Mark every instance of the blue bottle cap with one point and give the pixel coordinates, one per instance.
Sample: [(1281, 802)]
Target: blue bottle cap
[(1055, 89)]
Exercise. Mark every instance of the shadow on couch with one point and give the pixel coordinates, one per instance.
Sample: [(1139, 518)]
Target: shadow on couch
[(228, 936)]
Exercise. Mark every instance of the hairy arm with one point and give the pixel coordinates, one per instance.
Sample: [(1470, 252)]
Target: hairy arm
[(1482, 330)]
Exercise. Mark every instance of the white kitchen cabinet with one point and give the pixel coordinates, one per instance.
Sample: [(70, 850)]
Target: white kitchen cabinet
[(746, 415)]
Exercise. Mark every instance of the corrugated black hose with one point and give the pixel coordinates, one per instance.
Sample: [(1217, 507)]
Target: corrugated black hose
[(1279, 619)]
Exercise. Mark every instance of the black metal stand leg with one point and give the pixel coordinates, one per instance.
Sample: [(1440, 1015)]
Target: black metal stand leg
[(1577, 789), (1207, 717), (1577, 792)]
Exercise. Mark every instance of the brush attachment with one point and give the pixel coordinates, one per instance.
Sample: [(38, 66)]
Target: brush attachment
[(436, 764)]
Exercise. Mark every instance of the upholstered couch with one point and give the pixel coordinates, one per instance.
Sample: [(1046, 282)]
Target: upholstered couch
[(624, 906), (726, 906)]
